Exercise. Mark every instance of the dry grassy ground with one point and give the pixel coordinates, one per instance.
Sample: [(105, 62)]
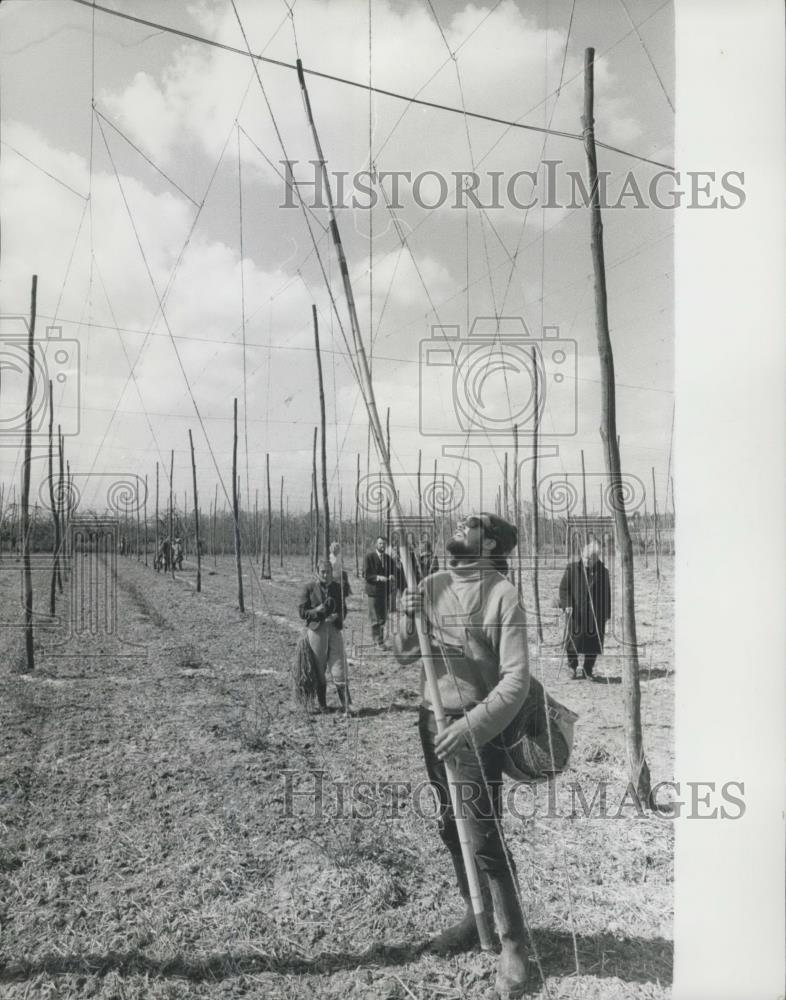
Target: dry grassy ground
[(149, 851)]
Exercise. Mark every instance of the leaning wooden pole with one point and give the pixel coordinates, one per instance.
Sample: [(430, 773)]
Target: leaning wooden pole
[(637, 763), (323, 436), (196, 514), (535, 536), (26, 567), (367, 390), (236, 513)]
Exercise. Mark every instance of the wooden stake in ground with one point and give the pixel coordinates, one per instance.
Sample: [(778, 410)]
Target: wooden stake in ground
[(656, 533), (281, 526), (516, 574), (256, 538), (535, 538), (155, 557), (637, 763), (585, 531), (196, 515), (269, 517), (63, 501), (383, 449), (325, 504), (215, 529), (145, 506), (53, 505), (420, 490), (236, 513), (357, 517), (27, 569), (171, 513)]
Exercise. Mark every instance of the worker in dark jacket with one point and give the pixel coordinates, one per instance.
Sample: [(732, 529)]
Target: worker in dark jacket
[(585, 595), (322, 606), (380, 573)]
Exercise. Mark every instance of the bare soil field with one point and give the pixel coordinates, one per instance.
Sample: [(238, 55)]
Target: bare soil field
[(161, 836)]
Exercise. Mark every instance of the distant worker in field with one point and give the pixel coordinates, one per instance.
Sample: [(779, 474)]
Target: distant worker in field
[(177, 554), (322, 606), (164, 555), (478, 635), (379, 572), (400, 581), (337, 566), (585, 597)]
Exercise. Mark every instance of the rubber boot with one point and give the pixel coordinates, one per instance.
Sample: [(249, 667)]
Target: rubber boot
[(322, 696), (513, 963), (462, 936)]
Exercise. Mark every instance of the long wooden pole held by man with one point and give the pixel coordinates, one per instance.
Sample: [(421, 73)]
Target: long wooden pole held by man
[(367, 391), (323, 438), (637, 763)]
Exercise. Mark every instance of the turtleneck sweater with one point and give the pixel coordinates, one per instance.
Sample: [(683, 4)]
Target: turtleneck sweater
[(478, 633)]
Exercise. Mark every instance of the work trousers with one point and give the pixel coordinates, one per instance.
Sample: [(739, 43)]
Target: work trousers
[(327, 644), (479, 779), (378, 613)]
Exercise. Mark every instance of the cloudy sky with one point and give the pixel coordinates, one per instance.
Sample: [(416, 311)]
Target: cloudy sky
[(131, 217)]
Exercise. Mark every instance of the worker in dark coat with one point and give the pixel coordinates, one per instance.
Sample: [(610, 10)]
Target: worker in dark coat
[(380, 573), (585, 595), (322, 606)]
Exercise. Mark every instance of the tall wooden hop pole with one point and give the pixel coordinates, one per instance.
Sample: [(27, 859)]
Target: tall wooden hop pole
[(535, 539), (637, 763), (322, 421), (315, 557), (145, 507), (357, 516), (268, 537), (196, 514), (26, 567), (171, 512), (281, 525), (64, 504), (155, 556), (53, 505), (367, 390), (236, 513)]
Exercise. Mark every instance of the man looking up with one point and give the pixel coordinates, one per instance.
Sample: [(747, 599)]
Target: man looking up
[(478, 635)]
